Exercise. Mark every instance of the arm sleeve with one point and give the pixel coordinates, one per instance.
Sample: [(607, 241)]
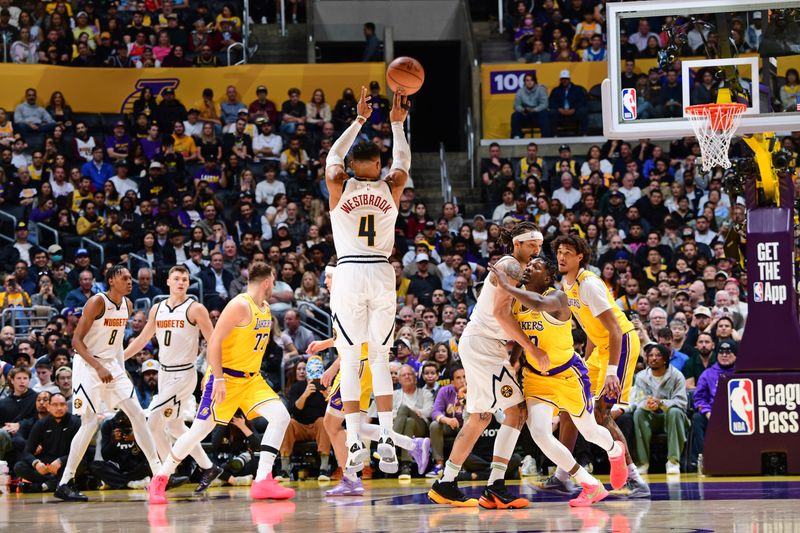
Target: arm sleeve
[(401, 152), (593, 292), (342, 145)]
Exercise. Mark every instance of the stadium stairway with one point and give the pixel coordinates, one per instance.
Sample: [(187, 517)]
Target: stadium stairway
[(273, 48), (426, 173), (492, 46)]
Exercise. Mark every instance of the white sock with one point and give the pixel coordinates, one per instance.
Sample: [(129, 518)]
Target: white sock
[(265, 462), (351, 423), (168, 466), (498, 472), (562, 474), (451, 470), (385, 420), (350, 475), (583, 476)]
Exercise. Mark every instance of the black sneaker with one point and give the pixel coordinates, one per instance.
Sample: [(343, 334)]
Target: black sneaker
[(206, 477), (69, 493), (496, 496), (448, 493), (176, 481), (405, 472), (30, 487)]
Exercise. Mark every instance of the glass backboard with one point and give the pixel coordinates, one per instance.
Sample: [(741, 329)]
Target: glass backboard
[(687, 50)]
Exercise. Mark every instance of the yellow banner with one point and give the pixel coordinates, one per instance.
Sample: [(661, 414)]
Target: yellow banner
[(113, 90), (500, 82)]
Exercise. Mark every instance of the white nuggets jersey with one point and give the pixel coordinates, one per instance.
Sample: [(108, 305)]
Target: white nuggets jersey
[(178, 338), (363, 220), (482, 321), (105, 335)]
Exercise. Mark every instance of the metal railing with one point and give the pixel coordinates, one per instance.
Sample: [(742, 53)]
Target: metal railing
[(283, 19), (233, 47), (52, 231), (5, 47), (319, 321), (143, 259), (85, 241), (470, 147), (10, 217), (447, 188), (25, 319), (199, 282), (500, 16)]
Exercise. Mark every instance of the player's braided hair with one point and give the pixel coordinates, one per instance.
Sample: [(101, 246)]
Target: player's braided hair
[(115, 271), (507, 236)]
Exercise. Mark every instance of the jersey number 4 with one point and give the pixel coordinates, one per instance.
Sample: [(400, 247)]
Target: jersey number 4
[(366, 229)]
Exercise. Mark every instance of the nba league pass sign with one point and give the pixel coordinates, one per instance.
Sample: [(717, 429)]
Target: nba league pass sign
[(766, 408)]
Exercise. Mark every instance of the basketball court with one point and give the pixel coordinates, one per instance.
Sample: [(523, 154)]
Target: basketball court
[(688, 503)]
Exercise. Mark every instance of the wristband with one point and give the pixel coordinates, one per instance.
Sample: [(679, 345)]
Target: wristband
[(363, 119), (611, 370)]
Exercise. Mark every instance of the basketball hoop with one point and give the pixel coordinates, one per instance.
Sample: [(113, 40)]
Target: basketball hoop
[(714, 126)]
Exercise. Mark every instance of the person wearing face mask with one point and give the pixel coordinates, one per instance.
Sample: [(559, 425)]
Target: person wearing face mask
[(705, 393)]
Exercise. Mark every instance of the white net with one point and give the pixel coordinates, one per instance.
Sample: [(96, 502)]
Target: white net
[(714, 126)]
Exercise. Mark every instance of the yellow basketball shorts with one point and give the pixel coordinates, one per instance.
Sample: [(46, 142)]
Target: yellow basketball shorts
[(598, 363), (245, 393), (567, 390)]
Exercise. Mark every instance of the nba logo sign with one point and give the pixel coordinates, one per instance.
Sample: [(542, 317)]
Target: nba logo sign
[(741, 417), (628, 104), (758, 292)]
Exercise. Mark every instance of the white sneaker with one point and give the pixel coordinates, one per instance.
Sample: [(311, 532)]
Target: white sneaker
[(528, 466), (138, 483), (673, 469), (263, 20), (218, 482), (240, 481), (357, 453), (643, 469)]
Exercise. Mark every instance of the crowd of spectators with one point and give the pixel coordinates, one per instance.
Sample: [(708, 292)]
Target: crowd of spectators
[(125, 34)]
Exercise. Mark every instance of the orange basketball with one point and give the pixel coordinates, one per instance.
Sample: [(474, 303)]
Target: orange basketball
[(405, 73)]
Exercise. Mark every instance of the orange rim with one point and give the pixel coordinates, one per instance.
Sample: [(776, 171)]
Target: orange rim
[(720, 116)]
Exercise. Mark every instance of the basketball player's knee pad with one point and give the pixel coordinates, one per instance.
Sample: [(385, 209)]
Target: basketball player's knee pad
[(381, 378), (349, 365)]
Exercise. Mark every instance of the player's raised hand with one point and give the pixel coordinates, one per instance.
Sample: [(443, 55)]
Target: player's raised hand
[(400, 107), (315, 346), (542, 359), (327, 377), (364, 108)]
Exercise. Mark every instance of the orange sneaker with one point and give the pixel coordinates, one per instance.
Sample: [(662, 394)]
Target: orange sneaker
[(367, 472), (157, 490), (270, 489), (589, 495), (619, 469)]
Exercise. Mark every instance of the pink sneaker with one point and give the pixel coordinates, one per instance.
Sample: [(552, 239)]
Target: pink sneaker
[(619, 470), (589, 495), (270, 489), (158, 489)]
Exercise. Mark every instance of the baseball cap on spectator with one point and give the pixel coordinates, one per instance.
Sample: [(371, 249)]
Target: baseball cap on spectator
[(243, 111), (682, 291), (403, 341), (54, 249), (564, 74), (211, 157), (430, 224), (564, 147), (262, 120), (727, 346), (622, 255), (479, 216), (246, 194), (105, 35), (196, 247), (168, 90), (151, 365), (422, 258), (648, 346), (721, 274), (623, 31), (687, 232), (148, 347), (426, 340), (261, 89), (756, 15), (119, 124), (81, 252), (282, 225), (156, 164), (121, 163), (22, 225), (81, 14), (426, 243), (702, 311), (617, 194)]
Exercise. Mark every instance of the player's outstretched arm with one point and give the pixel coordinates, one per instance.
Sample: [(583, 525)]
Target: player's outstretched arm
[(92, 310), (198, 314), (335, 173), (401, 152), (319, 346), (139, 342), (610, 322), (551, 303)]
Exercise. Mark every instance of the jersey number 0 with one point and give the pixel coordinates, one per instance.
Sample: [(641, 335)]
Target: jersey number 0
[(366, 228)]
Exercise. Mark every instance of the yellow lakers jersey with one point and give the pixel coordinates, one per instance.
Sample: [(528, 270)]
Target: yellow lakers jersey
[(548, 333), (244, 348), (594, 329)]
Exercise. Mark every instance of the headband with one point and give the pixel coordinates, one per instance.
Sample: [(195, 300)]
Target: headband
[(330, 270), (533, 235)]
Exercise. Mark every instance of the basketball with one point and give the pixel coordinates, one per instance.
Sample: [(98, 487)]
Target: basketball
[(405, 73)]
